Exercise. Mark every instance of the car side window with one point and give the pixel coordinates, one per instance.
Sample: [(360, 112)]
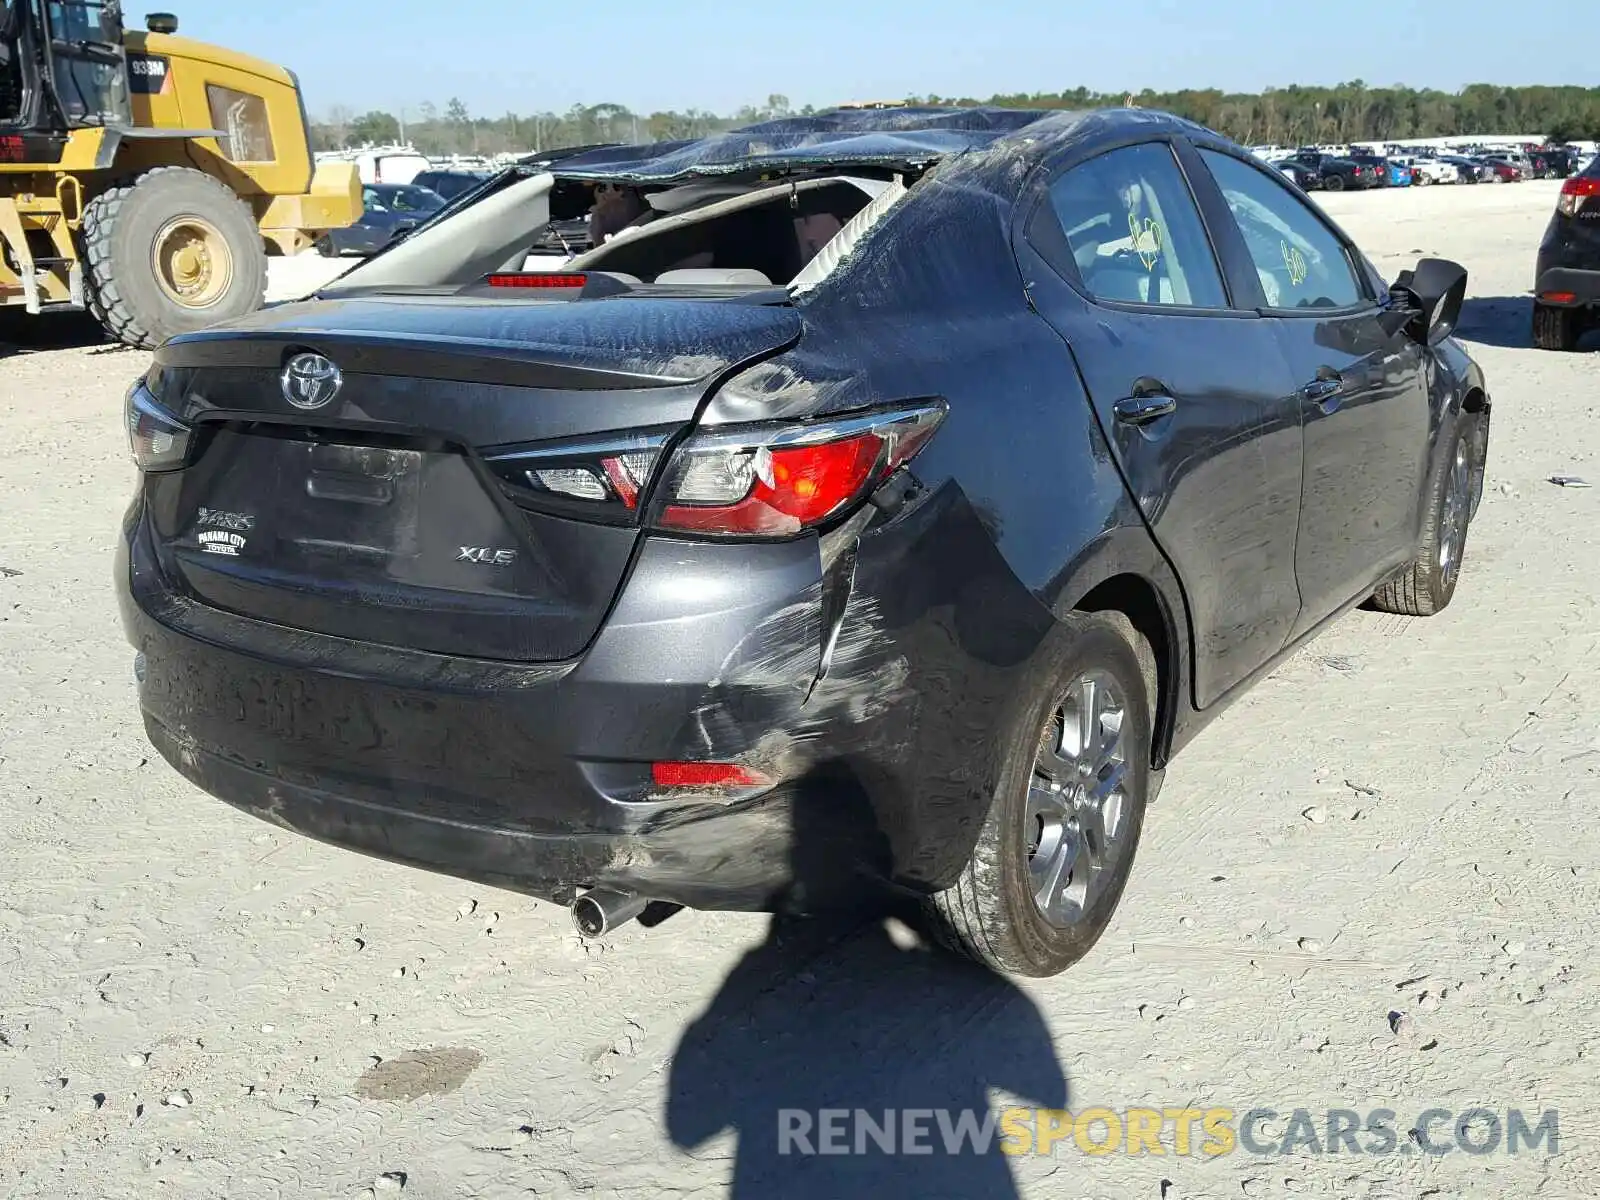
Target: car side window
[(1135, 232), (1300, 261)]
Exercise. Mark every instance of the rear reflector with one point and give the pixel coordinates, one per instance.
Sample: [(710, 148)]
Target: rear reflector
[(1559, 297), (706, 775), (537, 279)]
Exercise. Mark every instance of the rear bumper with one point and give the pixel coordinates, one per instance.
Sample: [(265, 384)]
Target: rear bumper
[(1583, 286), (535, 777)]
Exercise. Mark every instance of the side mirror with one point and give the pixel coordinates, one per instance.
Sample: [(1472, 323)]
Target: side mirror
[(1431, 296)]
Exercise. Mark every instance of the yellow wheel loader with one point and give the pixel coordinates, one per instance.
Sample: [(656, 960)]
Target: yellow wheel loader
[(147, 177)]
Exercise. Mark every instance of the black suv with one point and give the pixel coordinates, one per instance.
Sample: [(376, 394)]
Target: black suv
[(1553, 162), (1337, 174), (1566, 286)]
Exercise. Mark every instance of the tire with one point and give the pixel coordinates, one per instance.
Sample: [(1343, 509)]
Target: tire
[(1333, 183), (990, 913), (326, 247), (1428, 584), (1556, 328), (164, 215)]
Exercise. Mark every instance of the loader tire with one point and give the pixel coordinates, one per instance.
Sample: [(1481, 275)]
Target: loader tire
[(169, 252)]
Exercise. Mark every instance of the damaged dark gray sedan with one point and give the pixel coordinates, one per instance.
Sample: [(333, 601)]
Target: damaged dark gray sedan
[(874, 508)]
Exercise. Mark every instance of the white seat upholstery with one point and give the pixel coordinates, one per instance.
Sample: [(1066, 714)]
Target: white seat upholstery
[(715, 275)]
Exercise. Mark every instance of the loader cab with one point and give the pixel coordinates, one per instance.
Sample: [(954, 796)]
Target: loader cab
[(62, 66)]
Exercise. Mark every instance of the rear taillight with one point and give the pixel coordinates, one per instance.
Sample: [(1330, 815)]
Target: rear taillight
[(158, 440), (1575, 194), (592, 478), (779, 480)]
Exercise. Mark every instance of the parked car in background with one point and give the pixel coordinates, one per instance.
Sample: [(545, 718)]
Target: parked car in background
[(1566, 288), (448, 184), (1553, 162), (1307, 178), (1400, 175), (390, 210), (1520, 163), (1427, 171), (658, 579), (1378, 166), (1337, 174), (1503, 169), (1468, 170)]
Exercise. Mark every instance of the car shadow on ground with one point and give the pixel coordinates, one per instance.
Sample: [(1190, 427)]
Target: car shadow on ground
[(1505, 321), (853, 1015)]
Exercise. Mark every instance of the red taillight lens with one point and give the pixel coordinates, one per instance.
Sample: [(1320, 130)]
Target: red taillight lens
[(537, 279), (1575, 193), (706, 775), (776, 481), (1559, 297), (789, 489)]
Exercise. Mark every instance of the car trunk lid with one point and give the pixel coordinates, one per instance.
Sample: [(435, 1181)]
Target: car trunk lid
[(371, 513)]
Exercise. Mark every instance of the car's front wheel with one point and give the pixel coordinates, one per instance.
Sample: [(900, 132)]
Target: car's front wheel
[(1057, 846), (1428, 584)]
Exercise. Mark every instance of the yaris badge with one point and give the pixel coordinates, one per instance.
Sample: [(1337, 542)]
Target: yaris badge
[(310, 381)]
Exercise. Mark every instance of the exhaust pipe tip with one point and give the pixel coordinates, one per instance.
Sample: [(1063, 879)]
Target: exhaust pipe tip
[(599, 911)]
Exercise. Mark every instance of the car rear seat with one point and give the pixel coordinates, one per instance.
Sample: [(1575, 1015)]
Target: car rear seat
[(715, 275)]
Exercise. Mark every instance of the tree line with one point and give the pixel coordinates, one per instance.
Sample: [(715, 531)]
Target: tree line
[(1294, 115)]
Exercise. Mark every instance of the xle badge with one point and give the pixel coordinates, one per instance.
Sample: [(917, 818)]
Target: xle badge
[(486, 556), (221, 541)]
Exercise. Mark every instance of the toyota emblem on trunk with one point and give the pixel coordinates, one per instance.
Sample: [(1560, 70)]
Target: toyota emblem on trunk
[(310, 381)]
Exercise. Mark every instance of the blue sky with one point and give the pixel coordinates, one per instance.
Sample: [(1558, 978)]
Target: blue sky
[(718, 55)]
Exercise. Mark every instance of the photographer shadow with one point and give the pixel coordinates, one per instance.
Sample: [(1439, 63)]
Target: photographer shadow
[(834, 1012)]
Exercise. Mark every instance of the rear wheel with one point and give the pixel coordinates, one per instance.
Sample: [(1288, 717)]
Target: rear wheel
[(1058, 844), (1556, 328), (1334, 183), (173, 251), (1429, 584)]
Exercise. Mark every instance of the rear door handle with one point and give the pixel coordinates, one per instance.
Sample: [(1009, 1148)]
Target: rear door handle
[(1142, 409)]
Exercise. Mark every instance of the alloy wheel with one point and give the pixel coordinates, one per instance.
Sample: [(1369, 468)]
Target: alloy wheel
[(1076, 817), (1455, 512)]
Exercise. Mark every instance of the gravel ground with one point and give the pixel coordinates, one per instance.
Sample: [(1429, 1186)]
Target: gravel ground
[(1371, 884)]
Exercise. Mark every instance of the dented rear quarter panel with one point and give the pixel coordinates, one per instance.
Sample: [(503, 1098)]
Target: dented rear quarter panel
[(1023, 511)]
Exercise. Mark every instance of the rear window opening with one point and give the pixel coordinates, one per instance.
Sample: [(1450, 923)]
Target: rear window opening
[(759, 238), (716, 235)]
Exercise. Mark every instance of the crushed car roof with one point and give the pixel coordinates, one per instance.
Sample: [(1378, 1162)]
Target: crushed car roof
[(909, 137)]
